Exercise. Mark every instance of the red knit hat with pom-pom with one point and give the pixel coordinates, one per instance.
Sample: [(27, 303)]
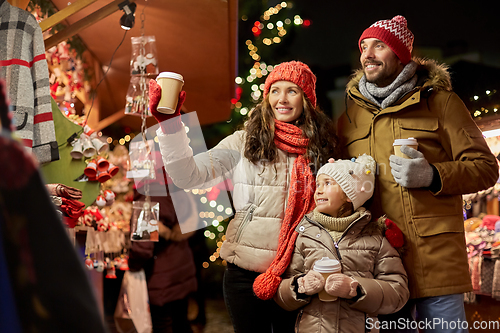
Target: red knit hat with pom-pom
[(296, 72)]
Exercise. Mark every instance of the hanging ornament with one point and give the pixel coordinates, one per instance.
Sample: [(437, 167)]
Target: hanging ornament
[(100, 201), (124, 264), (110, 269), (99, 265), (143, 67), (89, 263)]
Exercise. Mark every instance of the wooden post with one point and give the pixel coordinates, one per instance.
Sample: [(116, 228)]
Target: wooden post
[(19, 3)]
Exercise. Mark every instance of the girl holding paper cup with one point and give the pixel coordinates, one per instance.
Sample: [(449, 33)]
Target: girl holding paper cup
[(372, 279)]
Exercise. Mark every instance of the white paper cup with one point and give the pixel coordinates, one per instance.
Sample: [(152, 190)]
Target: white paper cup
[(410, 142), (171, 85), (326, 266)]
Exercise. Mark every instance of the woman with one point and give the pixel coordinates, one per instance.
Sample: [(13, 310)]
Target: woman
[(269, 162)]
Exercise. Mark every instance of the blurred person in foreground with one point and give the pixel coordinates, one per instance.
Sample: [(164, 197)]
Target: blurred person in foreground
[(44, 286)]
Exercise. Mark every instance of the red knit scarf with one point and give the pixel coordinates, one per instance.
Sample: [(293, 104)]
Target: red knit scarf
[(289, 138)]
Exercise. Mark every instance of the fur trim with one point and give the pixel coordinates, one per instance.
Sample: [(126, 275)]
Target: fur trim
[(431, 75)]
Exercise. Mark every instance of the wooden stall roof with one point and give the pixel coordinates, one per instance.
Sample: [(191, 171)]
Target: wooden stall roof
[(196, 38)]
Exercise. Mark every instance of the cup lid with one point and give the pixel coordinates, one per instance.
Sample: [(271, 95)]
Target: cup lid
[(170, 75), (406, 142), (327, 265)]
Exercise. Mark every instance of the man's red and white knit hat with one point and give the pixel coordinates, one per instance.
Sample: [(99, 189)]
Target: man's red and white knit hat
[(395, 34)]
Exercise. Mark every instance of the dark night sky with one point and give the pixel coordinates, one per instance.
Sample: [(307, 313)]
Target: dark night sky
[(331, 40), (329, 45)]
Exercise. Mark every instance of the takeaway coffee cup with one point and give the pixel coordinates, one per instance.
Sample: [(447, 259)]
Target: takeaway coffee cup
[(171, 85), (326, 267), (410, 142)]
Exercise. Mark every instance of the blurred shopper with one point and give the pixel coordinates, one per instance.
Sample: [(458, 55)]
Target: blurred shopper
[(168, 263)]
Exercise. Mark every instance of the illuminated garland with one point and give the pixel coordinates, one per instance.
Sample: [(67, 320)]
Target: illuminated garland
[(268, 32)]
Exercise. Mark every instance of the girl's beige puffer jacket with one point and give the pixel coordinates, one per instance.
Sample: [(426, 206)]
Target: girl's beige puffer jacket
[(367, 256)]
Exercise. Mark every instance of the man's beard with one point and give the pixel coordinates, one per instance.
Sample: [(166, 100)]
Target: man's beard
[(382, 78)]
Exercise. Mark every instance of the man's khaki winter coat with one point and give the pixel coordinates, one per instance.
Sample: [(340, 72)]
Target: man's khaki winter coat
[(365, 255), (432, 223)]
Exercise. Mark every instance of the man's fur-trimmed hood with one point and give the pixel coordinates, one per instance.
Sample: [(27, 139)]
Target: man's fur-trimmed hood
[(430, 75)]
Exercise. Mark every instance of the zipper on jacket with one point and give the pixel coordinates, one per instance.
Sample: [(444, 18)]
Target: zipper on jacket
[(297, 321), (337, 249), (335, 245), (248, 217)]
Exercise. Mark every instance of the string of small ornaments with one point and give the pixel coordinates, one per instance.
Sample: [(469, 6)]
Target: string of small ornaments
[(119, 262)]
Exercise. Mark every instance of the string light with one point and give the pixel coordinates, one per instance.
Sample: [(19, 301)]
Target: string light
[(269, 30), (274, 31), (484, 99)]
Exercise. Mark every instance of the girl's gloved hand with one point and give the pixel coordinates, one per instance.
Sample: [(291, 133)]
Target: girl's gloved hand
[(311, 283), (341, 285)]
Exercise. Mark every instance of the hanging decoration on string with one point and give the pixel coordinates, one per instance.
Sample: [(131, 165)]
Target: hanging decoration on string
[(143, 67)]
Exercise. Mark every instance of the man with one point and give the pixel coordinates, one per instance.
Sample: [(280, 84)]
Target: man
[(396, 97)]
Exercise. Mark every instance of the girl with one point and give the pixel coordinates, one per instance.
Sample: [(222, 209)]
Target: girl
[(372, 280)]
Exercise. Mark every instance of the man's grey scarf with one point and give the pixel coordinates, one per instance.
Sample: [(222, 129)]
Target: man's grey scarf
[(385, 96)]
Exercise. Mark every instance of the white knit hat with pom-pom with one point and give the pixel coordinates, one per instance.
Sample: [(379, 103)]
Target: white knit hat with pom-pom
[(356, 177)]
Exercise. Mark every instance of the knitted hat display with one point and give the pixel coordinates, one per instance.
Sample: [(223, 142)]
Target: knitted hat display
[(489, 221), (356, 177), (296, 72), (395, 34)]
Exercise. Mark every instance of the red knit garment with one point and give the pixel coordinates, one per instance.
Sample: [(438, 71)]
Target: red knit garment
[(296, 72), (289, 138)]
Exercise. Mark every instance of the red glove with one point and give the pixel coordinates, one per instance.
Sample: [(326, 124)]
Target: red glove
[(171, 126), (393, 234)]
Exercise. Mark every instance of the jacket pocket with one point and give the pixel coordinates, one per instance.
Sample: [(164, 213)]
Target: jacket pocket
[(358, 134), (20, 119), (419, 128), (358, 141), (245, 221), (435, 225)]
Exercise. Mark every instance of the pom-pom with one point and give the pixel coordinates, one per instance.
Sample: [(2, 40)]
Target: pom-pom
[(400, 19), (368, 162), (266, 285), (394, 234)]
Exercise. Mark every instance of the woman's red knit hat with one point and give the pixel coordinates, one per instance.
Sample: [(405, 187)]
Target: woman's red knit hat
[(296, 72), (395, 34)]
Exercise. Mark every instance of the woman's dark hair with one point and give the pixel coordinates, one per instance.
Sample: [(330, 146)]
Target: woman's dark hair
[(316, 126)]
